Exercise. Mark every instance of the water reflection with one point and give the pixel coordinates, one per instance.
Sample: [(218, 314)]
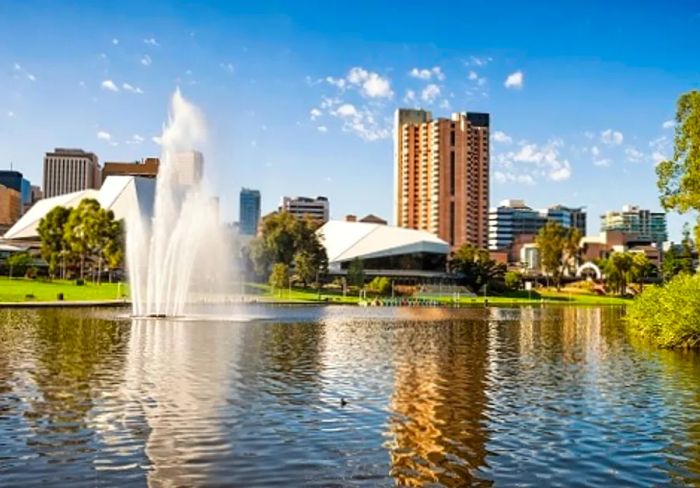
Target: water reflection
[(531, 396)]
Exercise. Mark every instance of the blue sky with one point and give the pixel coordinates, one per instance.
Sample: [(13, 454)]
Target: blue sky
[(299, 96)]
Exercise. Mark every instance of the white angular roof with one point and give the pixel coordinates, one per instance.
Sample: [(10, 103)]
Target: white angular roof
[(118, 193), (345, 241)]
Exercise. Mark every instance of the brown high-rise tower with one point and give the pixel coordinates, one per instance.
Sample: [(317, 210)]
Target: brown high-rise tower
[(442, 175)]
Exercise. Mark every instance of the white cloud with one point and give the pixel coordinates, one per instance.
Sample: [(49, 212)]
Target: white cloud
[(445, 104), (634, 155), (669, 124), (347, 110), (479, 61), (315, 113), (613, 137), (105, 136), (135, 139), (151, 41), (660, 149), (506, 177), (514, 80), (427, 73), (322, 128), (146, 60), (537, 161), (20, 70), (157, 140), (589, 134), (228, 67), (501, 137), (109, 85), (337, 82), (430, 93), (595, 151), (10, 113), (473, 76), (371, 84), (115, 41), (601, 162), (132, 89), (410, 96)]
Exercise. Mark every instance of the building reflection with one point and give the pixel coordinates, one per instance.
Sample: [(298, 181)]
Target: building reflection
[(439, 403)]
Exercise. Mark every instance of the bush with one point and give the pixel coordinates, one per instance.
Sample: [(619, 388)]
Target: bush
[(79, 282), (514, 281), (381, 285), (668, 315)]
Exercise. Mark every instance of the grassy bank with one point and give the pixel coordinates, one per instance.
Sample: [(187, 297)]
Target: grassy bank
[(25, 290), (669, 315), (553, 297)]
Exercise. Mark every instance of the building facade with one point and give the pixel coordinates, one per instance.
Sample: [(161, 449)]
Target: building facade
[(441, 177), (316, 208), (148, 167), (249, 211), (10, 206), (632, 219), (70, 170), (513, 222)]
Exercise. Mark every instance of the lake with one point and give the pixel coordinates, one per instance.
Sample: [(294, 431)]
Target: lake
[(343, 396)]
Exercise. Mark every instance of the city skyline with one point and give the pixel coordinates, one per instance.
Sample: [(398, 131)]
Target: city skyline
[(571, 120)]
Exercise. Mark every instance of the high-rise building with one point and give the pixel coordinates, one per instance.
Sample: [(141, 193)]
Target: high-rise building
[(148, 168), (249, 211), (441, 174), (632, 219), (514, 221), (16, 181), (70, 170), (188, 167), (317, 208), (10, 206)]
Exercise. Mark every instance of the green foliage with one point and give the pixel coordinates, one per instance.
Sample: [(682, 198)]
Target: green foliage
[(623, 268), (54, 248), (87, 231), (678, 261), (356, 273), (677, 178), (381, 285), (279, 277), (18, 263), (559, 249), (668, 315), (476, 267), (513, 280), (290, 241)]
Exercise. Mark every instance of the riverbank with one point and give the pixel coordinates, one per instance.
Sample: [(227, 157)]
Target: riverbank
[(25, 291)]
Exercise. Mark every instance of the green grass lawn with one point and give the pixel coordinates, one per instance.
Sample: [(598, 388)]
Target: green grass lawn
[(17, 289), (548, 296)]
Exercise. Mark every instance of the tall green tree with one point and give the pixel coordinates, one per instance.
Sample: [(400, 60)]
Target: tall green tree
[(18, 263), (551, 241), (476, 267), (618, 270), (81, 229), (356, 273), (279, 277), (51, 230), (678, 178)]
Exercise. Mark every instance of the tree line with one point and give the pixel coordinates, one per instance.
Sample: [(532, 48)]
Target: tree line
[(83, 240)]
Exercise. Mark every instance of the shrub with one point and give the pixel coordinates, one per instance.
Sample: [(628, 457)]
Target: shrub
[(79, 282), (514, 281), (381, 285), (668, 315)]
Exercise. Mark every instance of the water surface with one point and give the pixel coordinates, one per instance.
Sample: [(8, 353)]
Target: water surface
[(530, 396)]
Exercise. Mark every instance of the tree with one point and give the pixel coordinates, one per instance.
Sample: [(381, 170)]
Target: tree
[(513, 280), (81, 229), (51, 230), (356, 273), (641, 269), (618, 269), (381, 285), (113, 252), (677, 178), (476, 267), (678, 260), (18, 263), (559, 249), (279, 277)]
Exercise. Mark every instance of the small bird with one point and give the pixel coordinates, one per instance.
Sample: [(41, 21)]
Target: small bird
[(343, 402)]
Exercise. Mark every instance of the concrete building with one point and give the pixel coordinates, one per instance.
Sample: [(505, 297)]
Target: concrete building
[(70, 170), (441, 177), (317, 208), (249, 211), (384, 250), (10, 206), (513, 224), (188, 167), (632, 219), (147, 168)]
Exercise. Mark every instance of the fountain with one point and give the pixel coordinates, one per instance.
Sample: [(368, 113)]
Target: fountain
[(177, 256)]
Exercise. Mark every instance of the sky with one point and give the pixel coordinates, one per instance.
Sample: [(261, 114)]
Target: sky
[(299, 96)]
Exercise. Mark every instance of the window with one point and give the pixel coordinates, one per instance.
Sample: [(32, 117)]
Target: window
[(452, 223), (452, 138), (452, 173)]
